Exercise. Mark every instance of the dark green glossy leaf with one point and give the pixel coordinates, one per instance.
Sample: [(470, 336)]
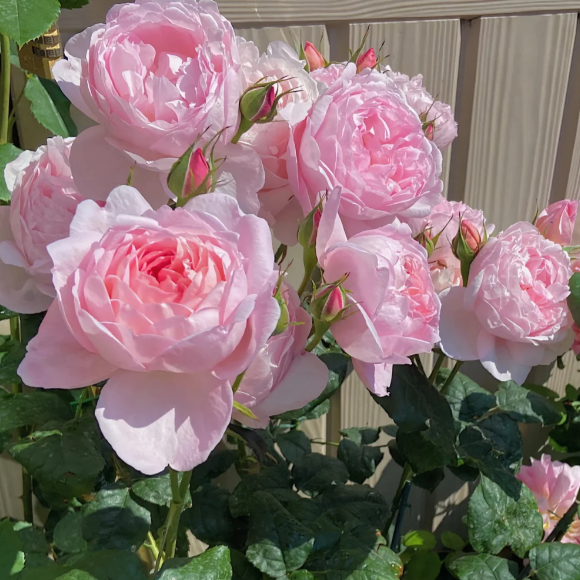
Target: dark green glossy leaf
[(11, 354), (109, 565), (34, 408), (360, 460), (11, 551), (483, 567), (468, 401), (8, 153), (495, 520), (429, 480), (214, 466), (556, 561), (574, 297), (423, 565), (214, 564), (35, 546), (113, 520), (505, 437), (277, 542), (242, 569), (362, 435), (23, 20), (5, 314), (314, 473), (526, 406), (72, 4), (157, 490), (566, 437), (67, 535), (419, 540), (293, 444), (453, 541)]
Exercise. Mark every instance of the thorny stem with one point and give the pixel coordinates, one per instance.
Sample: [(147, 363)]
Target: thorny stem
[(451, 376), (318, 334), (4, 87), (436, 368), (396, 541), (152, 545), (406, 476)]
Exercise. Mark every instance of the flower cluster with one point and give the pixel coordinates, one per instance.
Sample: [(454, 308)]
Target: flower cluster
[(148, 238)]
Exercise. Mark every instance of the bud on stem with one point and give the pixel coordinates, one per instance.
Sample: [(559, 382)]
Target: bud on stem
[(366, 60), (466, 246), (313, 57)]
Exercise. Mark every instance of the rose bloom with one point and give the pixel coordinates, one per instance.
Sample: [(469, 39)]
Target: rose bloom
[(555, 486), (362, 135), (283, 377), (513, 313), (557, 221), (169, 306), (441, 127), (44, 200), (156, 76), (443, 221), (394, 310), (270, 140)]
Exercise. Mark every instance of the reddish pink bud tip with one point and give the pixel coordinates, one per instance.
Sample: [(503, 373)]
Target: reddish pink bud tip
[(430, 131), (334, 304), (471, 235), (366, 60), (315, 223), (313, 57), (266, 105), (197, 171)]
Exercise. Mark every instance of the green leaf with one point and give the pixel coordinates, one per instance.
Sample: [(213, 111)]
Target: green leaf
[(338, 366), (293, 444), (244, 410), (64, 461), (526, 406), (209, 517), (360, 460), (11, 551), (109, 565), (505, 437), (213, 564), (423, 565), (468, 401), (157, 490), (5, 314), (483, 567), (556, 561), (72, 4), (453, 541), (67, 535), (241, 567), (51, 571), (495, 520), (566, 437), (277, 542), (574, 297), (35, 546), (52, 114), (11, 352), (8, 153), (23, 20), (313, 473), (275, 480), (429, 480), (113, 520), (420, 540), (362, 435), (214, 466), (35, 408)]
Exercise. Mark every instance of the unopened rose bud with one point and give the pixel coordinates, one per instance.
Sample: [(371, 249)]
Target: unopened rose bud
[(465, 246), (313, 57), (329, 303), (424, 238), (471, 235), (284, 319), (429, 130), (307, 233), (256, 104), (190, 175), (366, 60)]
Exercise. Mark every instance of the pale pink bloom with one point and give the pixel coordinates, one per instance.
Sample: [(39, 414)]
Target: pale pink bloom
[(513, 313), (329, 74), (362, 136), (367, 59), (283, 377), (394, 311), (156, 76), (555, 486), (169, 306), (270, 140), (443, 221), (557, 221), (44, 200), (444, 128), (313, 57)]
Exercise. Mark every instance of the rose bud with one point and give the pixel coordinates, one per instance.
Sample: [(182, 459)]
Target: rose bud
[(313, 57), (190, 175), (329, 303), (257, 103), (366, 60), (307, 233), (471, 235), (465, 246), (556, 222)]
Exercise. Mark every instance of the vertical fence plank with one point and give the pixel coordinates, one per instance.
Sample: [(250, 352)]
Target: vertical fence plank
[(522, 74)]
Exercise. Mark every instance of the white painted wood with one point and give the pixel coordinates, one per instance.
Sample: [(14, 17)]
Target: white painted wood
[(427, 47), (520, 90), (292, 35)]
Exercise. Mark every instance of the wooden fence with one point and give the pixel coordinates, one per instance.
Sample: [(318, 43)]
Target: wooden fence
[(511, 71)]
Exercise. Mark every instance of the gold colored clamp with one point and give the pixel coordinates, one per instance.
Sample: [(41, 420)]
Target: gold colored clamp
[(39, 55)]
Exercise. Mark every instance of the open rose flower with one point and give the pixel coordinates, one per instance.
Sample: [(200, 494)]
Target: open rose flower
[(557, 221), (442, 224), (169, 306), (270, 140), (513, 313), (394, 310), (156, 76), (555, 486), (362, 135), (437, 117), (283, 377), (44, 200)]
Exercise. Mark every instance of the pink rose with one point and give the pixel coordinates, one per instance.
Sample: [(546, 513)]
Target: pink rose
[(555, 486), (395, 311), (557, 221), (156, 76), (367, 59), (328, 75), (313, 57), (437, 117), (513, 313), (283, 377), (44, 200), (270, 140), (154, 301), (361, 135), (443, 221)]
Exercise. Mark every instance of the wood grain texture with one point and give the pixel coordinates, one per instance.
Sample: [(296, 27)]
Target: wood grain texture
[(427, 47), (520, 90)]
